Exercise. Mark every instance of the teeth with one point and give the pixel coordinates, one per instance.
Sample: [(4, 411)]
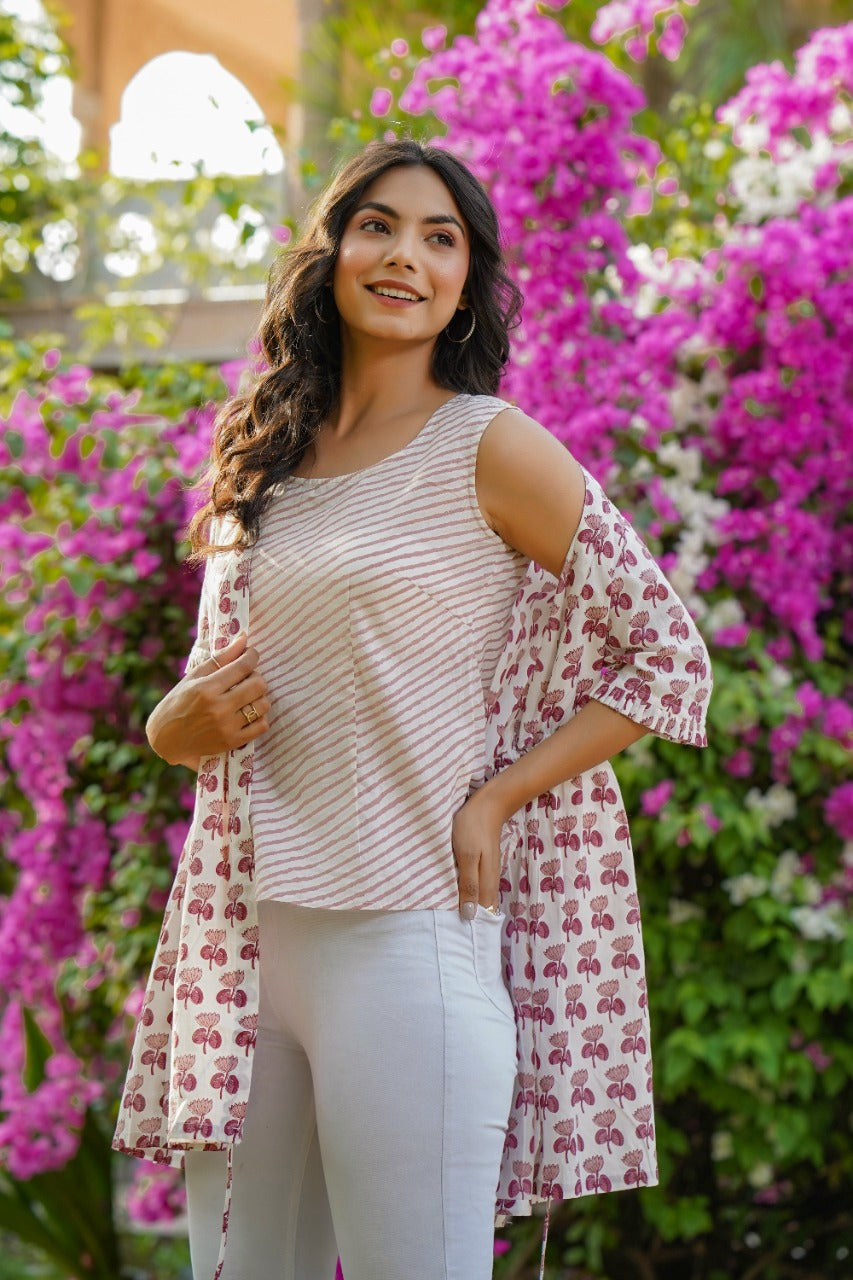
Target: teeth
[(394, 293)]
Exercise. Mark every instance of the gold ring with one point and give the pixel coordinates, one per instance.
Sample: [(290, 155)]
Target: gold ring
[(250, 719), (494, 910), (213, 659)]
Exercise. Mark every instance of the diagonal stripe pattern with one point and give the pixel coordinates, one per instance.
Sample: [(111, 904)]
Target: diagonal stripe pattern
[(380, 602)]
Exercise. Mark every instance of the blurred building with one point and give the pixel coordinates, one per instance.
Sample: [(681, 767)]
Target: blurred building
[(256, 40), (164, 89)]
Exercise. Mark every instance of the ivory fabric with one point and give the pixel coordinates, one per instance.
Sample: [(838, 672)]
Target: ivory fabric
[(380, 601), (609, 628)]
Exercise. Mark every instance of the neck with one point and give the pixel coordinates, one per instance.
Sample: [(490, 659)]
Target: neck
[(381, 381)]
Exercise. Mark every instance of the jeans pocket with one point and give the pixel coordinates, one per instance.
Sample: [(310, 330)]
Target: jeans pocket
[(487, 933)]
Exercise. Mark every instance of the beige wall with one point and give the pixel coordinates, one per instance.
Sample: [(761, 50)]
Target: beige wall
[(256, 40)]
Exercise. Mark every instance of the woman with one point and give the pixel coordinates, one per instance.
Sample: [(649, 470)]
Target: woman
[(395, 517)]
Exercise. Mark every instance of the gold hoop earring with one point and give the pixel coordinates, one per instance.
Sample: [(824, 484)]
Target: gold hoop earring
[(459, 341)]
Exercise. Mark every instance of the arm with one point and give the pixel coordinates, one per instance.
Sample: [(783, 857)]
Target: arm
[(201, 715), (531, 492), (594, 734)]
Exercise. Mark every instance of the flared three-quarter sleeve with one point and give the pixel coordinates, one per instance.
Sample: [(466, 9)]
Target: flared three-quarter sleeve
[(650, 660), (610, 628)]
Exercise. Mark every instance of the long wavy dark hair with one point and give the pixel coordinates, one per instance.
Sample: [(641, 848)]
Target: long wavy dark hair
[(262, 434)]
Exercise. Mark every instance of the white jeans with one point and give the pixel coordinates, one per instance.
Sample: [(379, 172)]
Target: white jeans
[(382, 1084)]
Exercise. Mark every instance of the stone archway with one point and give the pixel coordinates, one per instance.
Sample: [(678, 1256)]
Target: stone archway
[(256, 40), (182, 111)]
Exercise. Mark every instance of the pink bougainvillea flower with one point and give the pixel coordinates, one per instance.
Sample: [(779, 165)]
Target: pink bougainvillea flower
[(838, 810), (712, 822), (654, 799), (815, 1052), (157, 1194), (740, 764), (380, 102), (433, 37), (671, 39), (774, 103), (636, 20)]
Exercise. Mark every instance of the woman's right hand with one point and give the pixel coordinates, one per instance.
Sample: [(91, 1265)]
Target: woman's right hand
[(201, 716)]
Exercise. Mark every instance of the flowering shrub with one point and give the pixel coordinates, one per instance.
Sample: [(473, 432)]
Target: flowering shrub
[(92, 502), (561, 160), (781, 309), (795, 129), (713, 397), (636, 21)]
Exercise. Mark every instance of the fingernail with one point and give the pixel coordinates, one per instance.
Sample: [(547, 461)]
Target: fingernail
[(468, 910)]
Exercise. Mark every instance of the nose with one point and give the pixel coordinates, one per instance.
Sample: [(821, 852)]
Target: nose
[(401, 252)]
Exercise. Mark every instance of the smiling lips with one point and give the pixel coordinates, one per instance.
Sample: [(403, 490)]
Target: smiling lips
[(394, 293)]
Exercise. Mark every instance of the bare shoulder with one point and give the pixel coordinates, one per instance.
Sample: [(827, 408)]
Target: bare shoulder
[(530, 488)]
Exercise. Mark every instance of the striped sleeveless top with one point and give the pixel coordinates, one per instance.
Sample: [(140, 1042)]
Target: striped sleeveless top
[(379, 604)]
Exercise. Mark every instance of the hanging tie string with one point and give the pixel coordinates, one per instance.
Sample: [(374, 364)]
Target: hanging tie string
[(226, 1211), (544, 1240)]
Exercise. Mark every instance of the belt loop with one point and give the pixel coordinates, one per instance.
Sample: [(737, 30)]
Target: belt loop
[(544, 1240)]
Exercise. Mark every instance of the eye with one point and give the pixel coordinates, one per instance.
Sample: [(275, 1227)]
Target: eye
[(370, 223), (444, 237)]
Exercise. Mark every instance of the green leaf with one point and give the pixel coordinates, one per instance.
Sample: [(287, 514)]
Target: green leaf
[(38, 1050), (825, 990), (785, 990), (19, 1219)]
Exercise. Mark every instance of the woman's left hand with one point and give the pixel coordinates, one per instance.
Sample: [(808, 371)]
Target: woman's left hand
[(475, 837)]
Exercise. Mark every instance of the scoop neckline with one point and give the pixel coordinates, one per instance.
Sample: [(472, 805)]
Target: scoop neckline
[(380, 462)]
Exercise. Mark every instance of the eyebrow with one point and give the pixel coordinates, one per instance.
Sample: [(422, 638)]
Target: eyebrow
[(434, 219)]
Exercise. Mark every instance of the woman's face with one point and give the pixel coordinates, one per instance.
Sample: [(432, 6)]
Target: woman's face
[(408, 236)]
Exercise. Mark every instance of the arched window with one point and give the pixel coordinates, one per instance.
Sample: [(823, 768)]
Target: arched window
[(183, 113)]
